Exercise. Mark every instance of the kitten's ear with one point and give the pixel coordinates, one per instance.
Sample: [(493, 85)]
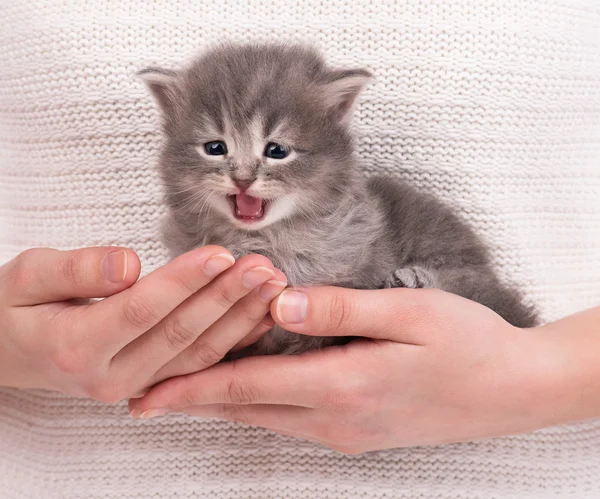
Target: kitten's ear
[(162, 84), (343, 89)]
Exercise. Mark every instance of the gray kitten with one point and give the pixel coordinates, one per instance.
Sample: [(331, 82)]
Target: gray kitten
[(258, 158)]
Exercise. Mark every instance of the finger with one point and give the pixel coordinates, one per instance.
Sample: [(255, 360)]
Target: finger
[(282, 418), (256, 319), (288, 380), (287, 420), (127, 315), (43, 275), (213, 344), (394, 314), (256, 334), (264, 326), (147, 354)]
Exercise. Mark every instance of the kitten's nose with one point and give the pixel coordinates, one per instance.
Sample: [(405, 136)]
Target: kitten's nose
[(242, 184)]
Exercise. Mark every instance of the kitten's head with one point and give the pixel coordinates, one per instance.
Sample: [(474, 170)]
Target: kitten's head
[(258, 133)]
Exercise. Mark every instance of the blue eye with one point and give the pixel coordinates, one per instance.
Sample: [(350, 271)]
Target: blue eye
[(276, 151), (215, 148)]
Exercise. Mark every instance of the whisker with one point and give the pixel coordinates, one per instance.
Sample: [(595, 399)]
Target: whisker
[(181, 191), (193, 199)]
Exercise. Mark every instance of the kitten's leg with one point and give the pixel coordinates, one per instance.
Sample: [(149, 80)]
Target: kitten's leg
[(411, 277), (479, 284)]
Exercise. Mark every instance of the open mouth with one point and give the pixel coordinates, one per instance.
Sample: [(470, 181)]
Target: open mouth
[(247, 208)]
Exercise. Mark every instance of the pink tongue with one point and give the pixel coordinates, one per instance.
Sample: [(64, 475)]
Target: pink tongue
[(247, 206)]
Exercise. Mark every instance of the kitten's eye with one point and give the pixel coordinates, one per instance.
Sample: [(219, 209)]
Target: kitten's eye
[(215, 148), (276, 151)]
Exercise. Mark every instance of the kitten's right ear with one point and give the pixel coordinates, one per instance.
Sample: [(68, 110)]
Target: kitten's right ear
[(162, 84)]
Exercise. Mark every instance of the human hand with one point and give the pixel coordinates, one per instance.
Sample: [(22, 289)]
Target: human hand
[(181, 318), (435, 368)]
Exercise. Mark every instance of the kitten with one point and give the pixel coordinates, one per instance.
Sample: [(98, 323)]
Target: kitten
[(258, 158)]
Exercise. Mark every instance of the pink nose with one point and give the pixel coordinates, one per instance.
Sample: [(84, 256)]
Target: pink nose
[(243, 184)]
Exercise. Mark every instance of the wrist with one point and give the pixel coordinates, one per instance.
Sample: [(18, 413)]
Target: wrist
[(567, 361), (15, 368)]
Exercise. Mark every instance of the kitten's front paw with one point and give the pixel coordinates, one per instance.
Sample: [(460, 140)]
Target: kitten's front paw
[(411, 277)]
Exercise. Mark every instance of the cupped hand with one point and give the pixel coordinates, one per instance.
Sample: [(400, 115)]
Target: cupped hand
[(434, 368), (181, 318)]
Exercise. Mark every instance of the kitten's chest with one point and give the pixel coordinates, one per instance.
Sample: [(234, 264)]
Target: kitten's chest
[(303, 262), (300, 268)]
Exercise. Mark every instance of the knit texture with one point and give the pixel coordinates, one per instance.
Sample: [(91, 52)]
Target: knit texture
[(492, 105)]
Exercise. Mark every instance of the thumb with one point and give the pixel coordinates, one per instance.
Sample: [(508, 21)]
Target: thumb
[(393, 314), (43, 275)]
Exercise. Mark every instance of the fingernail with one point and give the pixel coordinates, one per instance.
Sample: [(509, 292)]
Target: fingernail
[(255, 277), (292, 307), (270, 290), (217, 264), (152, 413), (114, 266)]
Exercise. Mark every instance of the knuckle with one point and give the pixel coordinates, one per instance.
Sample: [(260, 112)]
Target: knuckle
[(178, 334), (189, 398), (139, 314), (340, 312), (19, 272), (72, 269), (342, 401), (240, 392), (206, 354), (346, 394), (253, 312), (223, 296), (267, 321), (237, 413), (29, 254), (70, 360), (185, 284)]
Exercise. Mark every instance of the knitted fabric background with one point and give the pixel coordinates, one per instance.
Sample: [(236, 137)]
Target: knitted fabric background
[(495, 106)]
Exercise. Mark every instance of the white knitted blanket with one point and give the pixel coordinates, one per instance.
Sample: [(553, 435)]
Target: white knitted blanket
[(493, 105)]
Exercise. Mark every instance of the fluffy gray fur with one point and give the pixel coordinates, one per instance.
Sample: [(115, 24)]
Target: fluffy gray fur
[(327, 224)]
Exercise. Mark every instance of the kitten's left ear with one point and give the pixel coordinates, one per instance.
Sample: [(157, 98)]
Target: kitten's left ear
[(163, 84), (343, 89)]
